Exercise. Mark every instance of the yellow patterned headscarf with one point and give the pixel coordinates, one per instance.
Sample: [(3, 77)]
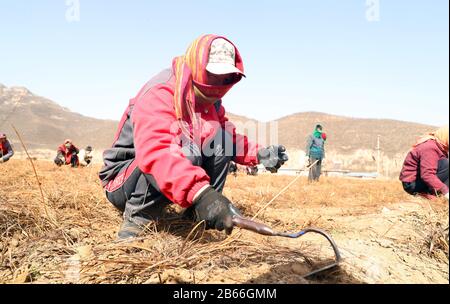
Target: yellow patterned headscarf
[(440, 136)]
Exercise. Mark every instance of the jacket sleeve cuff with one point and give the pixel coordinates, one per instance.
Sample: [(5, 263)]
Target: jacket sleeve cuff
[(194, 190)]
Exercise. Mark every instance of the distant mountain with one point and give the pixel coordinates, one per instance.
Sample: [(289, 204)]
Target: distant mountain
[(44, 125), (346, 135)]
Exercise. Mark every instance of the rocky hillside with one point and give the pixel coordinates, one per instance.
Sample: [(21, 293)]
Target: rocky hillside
[(351, 141), (346, 135), (44, 124)]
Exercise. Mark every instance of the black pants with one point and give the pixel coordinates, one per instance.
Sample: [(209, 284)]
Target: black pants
[(316, 170), (419, 186), (74, 160), (139, 199)]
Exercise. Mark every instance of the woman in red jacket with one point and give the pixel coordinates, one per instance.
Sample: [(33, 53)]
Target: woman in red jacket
[(6, 151), (425, 170), (174, 142), (67, 154)]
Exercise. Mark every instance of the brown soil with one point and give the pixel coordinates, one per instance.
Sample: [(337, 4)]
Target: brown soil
[(384, 235)]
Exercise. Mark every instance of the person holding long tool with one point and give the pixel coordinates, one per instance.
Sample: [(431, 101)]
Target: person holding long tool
[(174, 142), (315, 153)]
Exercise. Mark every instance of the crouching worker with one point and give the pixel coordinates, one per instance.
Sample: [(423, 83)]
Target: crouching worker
[(425, 169), (233, 168), (6, 151), (85, 156), (174, 142), (67, 154)]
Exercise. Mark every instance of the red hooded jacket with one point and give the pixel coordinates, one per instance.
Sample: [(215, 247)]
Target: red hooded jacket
[(67, 153), (422, 162), (148, 138), (6, 151)]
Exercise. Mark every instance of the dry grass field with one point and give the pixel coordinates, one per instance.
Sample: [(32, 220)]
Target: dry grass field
[(67, 233)]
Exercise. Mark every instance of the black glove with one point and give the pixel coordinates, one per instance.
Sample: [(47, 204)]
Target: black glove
[(273, 157), (215, 209), (59, 161)]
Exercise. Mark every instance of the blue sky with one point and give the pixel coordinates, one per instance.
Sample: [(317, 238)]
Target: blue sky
[(315, 55)]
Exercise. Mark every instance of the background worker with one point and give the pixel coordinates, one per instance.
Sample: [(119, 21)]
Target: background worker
[(67, 154), (6, 150), (425, 169), (85, 156), (315, 152), (233, 168)]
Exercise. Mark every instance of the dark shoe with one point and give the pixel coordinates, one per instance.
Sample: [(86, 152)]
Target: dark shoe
[(129, 230)]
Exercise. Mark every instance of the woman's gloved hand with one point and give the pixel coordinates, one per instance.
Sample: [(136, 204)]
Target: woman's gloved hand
[(273, 157), (215, 209), (58, 161)]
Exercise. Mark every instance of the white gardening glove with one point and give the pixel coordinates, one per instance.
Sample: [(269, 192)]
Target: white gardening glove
[(307, 161)]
